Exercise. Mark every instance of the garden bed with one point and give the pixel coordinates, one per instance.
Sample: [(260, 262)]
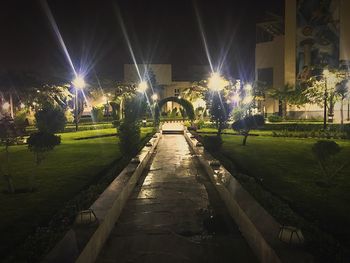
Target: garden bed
[(282, 176), (69, 169)]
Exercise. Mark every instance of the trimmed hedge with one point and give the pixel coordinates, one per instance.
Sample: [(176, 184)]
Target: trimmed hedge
[(304, 127)]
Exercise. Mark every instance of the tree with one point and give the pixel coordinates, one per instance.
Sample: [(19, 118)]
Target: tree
[(49, 121), (219, 111), (19, 87), (8, 136), (183, 102), (342, 90), (324, 152), (283, 95), (129, 129), (243, 126)]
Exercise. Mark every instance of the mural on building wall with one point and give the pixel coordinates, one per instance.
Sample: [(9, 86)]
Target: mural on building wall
[(317, 35)]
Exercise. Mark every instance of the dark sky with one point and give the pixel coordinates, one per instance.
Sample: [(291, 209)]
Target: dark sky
[(160, 32)]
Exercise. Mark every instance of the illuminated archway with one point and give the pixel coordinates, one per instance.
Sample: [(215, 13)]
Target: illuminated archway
[(188, 107)]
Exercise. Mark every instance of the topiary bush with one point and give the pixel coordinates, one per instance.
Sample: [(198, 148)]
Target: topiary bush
[(40, 143), (324, 152), (50, 119), (244, 126), (212, 143), (129, 135)]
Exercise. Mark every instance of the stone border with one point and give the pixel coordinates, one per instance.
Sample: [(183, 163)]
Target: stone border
[(107, 209), (257, 226)]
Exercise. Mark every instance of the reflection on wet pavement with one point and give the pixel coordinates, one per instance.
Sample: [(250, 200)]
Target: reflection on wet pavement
[(175, 215)]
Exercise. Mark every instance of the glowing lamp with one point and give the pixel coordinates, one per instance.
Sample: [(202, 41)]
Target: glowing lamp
[(6, 106), (216, 82), (79, 82), (142, 87), (154, 96)]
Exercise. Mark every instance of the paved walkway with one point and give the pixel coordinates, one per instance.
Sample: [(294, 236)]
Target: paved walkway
[(175, 215)]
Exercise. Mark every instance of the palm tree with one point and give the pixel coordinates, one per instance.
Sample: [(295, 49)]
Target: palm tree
[(284, 95)]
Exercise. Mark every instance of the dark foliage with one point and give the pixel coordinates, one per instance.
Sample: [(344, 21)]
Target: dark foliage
[(248, 123), (129, 135), (323, 150), (219, 111), (129, 129), (184, 103), (212, 143), (43, 141), (50, 119)]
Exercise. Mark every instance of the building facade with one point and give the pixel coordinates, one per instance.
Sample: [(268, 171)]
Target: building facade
[(162, 73), (313, 32)]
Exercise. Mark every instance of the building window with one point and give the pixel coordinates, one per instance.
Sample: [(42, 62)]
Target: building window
[(176, 92)]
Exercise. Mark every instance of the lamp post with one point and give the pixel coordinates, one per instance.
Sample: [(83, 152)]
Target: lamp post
[(78, 83), (325, 97), (107, 105)]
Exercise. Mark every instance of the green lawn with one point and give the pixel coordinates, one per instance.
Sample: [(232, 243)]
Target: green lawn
[(287, 168), (68, 169)]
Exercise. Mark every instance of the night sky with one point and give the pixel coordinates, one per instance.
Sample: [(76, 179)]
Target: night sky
[(159, 31)]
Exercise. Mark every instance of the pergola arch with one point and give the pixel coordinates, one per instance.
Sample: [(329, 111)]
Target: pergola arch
[(188, 107)]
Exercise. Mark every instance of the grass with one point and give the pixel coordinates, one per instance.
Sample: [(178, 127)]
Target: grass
[(68, 169), (287, 168)]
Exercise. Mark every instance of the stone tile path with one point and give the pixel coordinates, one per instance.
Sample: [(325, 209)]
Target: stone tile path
[(175, 215)]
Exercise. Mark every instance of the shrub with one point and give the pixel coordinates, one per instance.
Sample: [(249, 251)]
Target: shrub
[(275, 118), (50, 119), (115, 108), (21, 120), (40, 143), (129, 135), (212, 143), (69, 116), (97, 114), (244, 126), (199, 124), (324, 151)]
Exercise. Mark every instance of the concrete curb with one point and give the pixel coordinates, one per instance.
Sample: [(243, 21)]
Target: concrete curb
[(107, 209), (258, 227)]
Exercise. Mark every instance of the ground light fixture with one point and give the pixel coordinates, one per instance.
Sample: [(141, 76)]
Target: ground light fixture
[(142, 87), (216, 82)]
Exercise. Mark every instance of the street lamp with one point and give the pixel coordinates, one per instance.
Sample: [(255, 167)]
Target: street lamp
[(78, 83), (142, 87), (216, 82), (154, 97), (6, 106), (325, 97)]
